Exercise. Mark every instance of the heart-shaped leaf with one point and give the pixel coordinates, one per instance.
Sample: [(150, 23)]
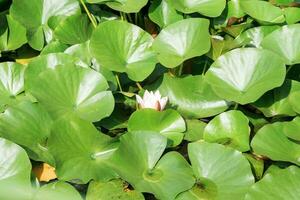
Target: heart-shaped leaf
[(192, 96), (163, 13), (138, 161), (276, 102), (282, 184), (182, 40), (72, 90), (113, 189), (229, 128), (28, 125), (285, 42), (210, 8), (81, 152), (262, 11), (221, 172), (123, 47), (243, 75), (271, 141), (34, 15), (168, 123)]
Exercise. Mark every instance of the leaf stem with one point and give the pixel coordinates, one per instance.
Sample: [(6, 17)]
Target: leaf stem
[(180, 68), (139, 86), (289, 68), (118, 82), (129, 17), (91, 17), (236, 106)]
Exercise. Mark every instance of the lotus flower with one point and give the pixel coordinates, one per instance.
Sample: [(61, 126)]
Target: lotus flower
[(152, 100)]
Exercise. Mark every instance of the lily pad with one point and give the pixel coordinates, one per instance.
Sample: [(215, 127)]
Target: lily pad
[(138, 161), (230, 128), (72, 90), (276, 102), (262, 11), (271, 141), (127, 6), (292, 129), (221, 172), (128, 45), (194, 130), (11, 82), (28, 125), (182, 40), (163, 13), (81, 152), (167, 123), (210, 8), (284, 184), (113, 189), (192, 96), (243, 75), (292, 15), (34, 15), (285, 42)]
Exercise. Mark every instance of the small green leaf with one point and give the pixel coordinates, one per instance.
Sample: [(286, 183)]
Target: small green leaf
[(292, 129)]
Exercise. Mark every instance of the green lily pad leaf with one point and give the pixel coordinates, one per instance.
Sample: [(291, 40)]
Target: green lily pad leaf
[(229, 128), (163, 13), (28, 125), (254, 36), (14, 35), (285, 42), (11, 82), (174, 45), (54, 47), (276, 102), (292, 15), (221, 172), (137, 161), (14, 171), (284, 184), (127, 6), (263, 11), (81, 152), (48, 61), (210, 8), (271, 141), (34, 15), (74, 30), (167, 123), (195, 129), (113, 189), (243, 75), (129, 45), (234, 9), (192, 96), (57, 190), (292, 129), (72, 90), (257, 165)]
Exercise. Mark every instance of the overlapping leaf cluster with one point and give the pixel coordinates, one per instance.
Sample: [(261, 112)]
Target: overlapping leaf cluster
[(70, 71)]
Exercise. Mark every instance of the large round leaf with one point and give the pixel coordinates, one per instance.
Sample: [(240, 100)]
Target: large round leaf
[(15, 170), (28, 125), (243, 75), (163, 13), (124, 47), (138, 161), (11, 82), (285, 42), (271, 141), (168, 123), (34, 15), (192, 96), (81, 152), (283, 184), (113, 189), (222, 172), (182, 40), (292, 129), (262, 11), (276, 102), (229, 128), (127, 6), (210, 8), (41, 63), (72, 90)]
